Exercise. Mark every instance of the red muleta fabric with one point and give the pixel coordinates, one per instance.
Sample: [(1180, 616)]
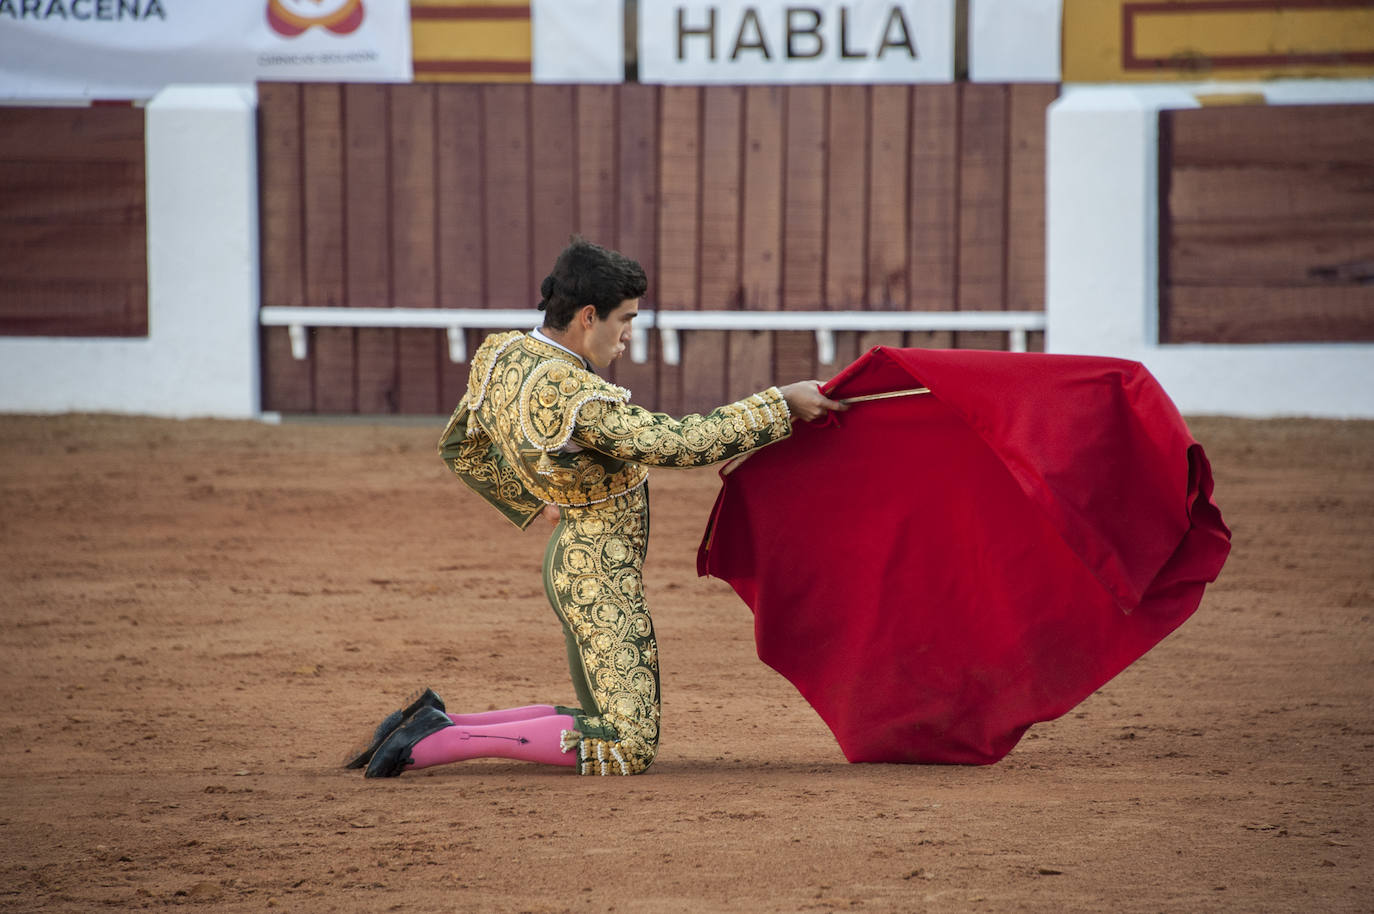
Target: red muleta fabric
[(936, 573)]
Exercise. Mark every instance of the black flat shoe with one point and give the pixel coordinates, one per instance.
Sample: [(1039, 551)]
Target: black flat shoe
[(426, 699), (393, 754)]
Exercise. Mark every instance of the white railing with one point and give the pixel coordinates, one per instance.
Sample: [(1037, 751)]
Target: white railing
[(824, 324), (454, 320)]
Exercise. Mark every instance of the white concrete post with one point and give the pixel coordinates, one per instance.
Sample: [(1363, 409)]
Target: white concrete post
[(203, 276)]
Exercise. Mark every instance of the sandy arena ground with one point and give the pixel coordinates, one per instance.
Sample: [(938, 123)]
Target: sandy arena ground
[(199, 618)]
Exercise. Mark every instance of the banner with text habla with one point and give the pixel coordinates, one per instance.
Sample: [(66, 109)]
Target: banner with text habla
[(130, 49), (821, 41)]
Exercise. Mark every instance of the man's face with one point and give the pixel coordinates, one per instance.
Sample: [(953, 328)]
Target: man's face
[(608, 338)]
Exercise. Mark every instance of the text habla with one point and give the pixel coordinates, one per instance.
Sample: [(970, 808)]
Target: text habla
[(803, 35)]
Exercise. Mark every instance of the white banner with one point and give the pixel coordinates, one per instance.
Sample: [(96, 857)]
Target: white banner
[(129, 49), (1012, 41), (820, 41), (578, 41)]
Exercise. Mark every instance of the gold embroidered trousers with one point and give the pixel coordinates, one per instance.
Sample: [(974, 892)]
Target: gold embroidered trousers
[(593, 575), (534, 428)]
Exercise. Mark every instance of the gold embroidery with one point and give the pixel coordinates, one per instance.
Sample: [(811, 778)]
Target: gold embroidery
[(550, 400), (536, 398), (484, 361), (473, 458), (628, 431), (530, 403), (595, 569)]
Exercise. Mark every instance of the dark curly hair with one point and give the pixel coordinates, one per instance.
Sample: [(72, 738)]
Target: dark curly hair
[(588, 274)]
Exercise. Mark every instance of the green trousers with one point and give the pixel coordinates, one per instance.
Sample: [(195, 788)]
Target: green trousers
[(593, 576)]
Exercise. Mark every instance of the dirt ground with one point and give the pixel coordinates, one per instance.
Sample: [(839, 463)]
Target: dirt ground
[(200, 618)]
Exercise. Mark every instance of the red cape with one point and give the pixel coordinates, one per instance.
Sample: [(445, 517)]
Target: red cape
[(936, 573)]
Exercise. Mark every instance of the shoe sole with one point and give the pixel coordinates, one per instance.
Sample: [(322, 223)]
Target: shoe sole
[(362, 754)]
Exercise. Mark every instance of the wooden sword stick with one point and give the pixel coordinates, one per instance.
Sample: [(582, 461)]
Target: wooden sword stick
[(732, 465), (884, 396)]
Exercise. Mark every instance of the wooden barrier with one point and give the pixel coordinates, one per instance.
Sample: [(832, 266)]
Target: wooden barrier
[(73, 245), (921, 198), (1267, 224)]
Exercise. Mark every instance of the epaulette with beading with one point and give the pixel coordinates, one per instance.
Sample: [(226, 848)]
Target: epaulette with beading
[(551, 397)]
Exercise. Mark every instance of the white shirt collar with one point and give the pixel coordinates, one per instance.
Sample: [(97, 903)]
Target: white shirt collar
[(538, 334)]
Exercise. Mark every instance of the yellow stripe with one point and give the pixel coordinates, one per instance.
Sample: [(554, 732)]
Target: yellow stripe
[(1092, 41), (471, 40), (472, 77), (1255, 32), (1229, 99), (1091, 50)]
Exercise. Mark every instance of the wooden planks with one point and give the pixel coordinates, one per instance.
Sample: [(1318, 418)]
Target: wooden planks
[(553, 180), (597, 186), (704, 358), (367, 239), (886, 272), (36, 249), (933, 206), (637, 216), (846, 198), (803, 253), (982, 207), (287, 383), (750, 353), (1025, 242), (413, 243), (75, 135), (798, 197), (461, 242), (322, 164), (1267, 224), (1025, 251), (506, 180), (1291, 135), (1267, 314), (50, 306), (1264, 253), (1296, 194), (679, 211), (679, 219), (73, 230), (889, 172), (97, 193)]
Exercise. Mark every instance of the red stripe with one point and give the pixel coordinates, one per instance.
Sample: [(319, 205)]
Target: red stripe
[(472, 66), (512, 11), (1333, 59)]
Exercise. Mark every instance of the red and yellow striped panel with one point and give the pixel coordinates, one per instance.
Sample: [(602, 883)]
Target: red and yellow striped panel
[(470, 40), (1150, 41)]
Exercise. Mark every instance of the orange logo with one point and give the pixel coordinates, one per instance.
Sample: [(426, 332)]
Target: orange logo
[(291, 17)]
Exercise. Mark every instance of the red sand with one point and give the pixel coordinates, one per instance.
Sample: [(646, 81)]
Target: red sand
[(200, 618)]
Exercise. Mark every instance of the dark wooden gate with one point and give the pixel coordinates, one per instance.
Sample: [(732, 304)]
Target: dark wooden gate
[(1267, 224), (73, 236), (802, 198)]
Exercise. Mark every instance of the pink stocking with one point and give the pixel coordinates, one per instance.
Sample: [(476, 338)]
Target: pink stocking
[(534, 739), (505, 715)]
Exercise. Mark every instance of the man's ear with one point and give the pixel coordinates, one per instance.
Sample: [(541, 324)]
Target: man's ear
[(587, 316)]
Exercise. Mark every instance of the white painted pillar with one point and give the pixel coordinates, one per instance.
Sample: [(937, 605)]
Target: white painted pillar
[(203, 268)]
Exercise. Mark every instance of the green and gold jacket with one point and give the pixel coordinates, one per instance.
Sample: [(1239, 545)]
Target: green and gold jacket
[(536, 427)]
